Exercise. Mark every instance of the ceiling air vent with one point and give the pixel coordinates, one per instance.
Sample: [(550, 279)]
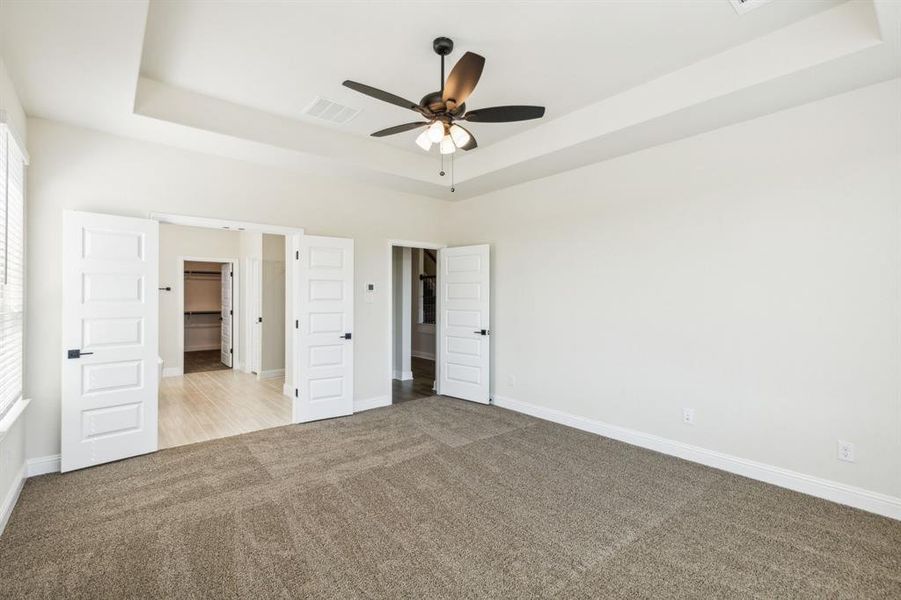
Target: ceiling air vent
[(743, 6), (324, 109)]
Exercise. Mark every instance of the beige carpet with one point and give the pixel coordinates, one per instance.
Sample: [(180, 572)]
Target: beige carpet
[(434, 498)]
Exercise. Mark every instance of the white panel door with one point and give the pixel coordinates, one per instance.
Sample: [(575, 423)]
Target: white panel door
[(325, 362), (110, 338), (464, 324), (226, 314), (255, 286)]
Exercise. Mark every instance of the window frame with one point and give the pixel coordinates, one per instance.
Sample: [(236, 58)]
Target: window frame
[(12, 282)]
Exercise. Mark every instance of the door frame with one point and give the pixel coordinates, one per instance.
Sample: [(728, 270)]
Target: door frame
[(293, 237), (437, 246), (180, 306)]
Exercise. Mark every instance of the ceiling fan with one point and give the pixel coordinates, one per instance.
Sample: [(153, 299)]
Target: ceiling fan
[(443, 108)]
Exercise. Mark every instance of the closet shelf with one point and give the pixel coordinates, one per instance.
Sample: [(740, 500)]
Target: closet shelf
[(203, 312)]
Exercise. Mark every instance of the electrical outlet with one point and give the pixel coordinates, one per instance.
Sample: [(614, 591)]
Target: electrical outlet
[(688, 416), (845, 451)]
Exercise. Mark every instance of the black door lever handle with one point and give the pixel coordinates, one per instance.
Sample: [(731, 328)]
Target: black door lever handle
[(78, 353)]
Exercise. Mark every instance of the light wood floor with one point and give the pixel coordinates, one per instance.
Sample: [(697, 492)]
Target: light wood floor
[(205, 406)]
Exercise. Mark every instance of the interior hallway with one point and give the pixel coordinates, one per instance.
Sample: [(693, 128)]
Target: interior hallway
[(421, 384), (204, 406)]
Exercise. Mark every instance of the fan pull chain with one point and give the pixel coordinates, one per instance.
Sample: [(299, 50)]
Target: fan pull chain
[(452, 171), (442, 173)]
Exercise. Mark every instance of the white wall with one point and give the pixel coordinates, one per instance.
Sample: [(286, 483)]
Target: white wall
[(402, 266), (179, 241), (12, 463), (11, 108), (752, 273), (81, 169)]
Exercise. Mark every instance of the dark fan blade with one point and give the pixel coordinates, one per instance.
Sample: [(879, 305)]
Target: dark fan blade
[(504, 114), (380, 95), (463, 78), (399, 129), (472, 139)]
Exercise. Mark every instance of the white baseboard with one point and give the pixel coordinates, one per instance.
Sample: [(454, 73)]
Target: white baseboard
[(403, 375), (272, 373), (370, 403), (173, 371), (9, 502), (420, 354), (42, 465), (875, 502)]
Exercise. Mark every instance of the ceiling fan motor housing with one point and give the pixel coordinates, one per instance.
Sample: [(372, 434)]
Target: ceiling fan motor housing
[(443, 46), (435, 103)]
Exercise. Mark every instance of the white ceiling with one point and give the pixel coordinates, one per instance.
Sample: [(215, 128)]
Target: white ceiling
[(233, 78)]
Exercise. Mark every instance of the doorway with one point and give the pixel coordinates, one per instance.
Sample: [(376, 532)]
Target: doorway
[(266, 286), (414, 311), (208, 292), (209, 389), (119, 282)]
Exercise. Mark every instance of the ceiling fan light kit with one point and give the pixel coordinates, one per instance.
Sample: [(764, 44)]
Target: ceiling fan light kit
[(442, 108), (423, 141), (436, 131), (460, 136)]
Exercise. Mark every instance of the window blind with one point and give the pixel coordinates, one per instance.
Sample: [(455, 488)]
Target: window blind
[(12, 268)]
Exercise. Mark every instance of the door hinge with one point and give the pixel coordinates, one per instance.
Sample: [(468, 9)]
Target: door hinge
[(231, 274), (296, 324), (230, 350), (259, 319), (297, 255), (295, 393), (230, 312)]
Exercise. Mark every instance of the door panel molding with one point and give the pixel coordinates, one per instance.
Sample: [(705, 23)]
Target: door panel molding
[(464, 324), (110, 338), (324, 362)]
